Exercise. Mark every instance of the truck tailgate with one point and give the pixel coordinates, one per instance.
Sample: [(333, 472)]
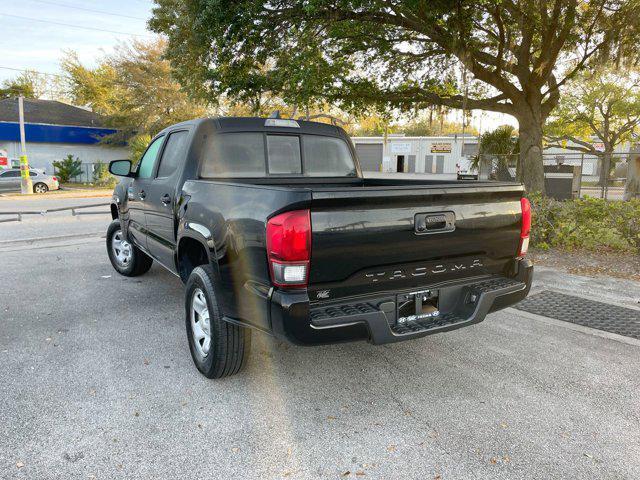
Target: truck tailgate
[(388, 238)]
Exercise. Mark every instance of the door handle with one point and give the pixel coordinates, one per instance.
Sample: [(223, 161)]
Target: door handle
[(166, 199), (142, 195)]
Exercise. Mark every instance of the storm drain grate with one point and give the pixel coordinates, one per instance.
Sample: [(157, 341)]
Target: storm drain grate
[(589, 313)]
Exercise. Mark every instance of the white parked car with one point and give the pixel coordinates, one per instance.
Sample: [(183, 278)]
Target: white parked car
[(42, 183)]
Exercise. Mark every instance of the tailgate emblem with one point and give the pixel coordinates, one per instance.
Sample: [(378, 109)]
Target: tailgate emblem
[(322, 294), (440, 222)]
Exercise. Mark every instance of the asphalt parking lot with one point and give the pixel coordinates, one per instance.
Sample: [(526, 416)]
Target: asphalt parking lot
[(96, 382)]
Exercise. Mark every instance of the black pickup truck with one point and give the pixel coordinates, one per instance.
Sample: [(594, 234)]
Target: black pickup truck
[(272, 226)]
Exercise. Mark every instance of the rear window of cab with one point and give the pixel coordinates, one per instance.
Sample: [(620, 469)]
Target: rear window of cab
[(256, 154)]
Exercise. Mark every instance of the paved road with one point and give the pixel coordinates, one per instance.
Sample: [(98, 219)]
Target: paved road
[(52, 224), (96, 382)]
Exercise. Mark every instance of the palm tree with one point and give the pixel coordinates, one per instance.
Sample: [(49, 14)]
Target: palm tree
[(496, 148)]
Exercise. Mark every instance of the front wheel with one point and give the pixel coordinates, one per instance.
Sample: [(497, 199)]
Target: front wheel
[(218, 348), (126, 258), (40, 188)]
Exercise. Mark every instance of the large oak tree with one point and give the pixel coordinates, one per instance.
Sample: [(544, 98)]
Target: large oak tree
[(396, 53)]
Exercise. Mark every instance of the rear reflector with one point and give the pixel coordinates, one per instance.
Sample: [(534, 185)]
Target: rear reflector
[(289, 248), (525, 229)]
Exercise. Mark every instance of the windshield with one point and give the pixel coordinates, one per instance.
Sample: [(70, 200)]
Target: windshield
[(256, 154)]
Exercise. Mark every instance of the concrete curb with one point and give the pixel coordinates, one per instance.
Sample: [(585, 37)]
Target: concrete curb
[(53, 239)]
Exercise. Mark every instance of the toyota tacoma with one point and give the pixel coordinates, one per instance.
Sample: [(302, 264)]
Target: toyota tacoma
[(272, 226)]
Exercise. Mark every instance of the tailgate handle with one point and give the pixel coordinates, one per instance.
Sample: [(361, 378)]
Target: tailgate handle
[(440, 222)]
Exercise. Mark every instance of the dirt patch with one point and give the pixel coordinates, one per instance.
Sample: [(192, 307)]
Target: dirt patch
[(592, 264)]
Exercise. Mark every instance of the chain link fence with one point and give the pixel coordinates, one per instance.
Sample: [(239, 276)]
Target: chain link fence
[(592, 175), (95, 173)]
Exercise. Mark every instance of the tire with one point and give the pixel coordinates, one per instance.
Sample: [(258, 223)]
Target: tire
[(128, 260), (40, 188), (228, 344)]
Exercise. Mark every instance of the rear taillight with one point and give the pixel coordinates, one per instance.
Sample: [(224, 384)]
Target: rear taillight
[(55, 179), (525, 229), (289, 248)]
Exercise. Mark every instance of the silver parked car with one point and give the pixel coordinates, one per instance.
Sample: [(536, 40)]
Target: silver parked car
[(42, 183)]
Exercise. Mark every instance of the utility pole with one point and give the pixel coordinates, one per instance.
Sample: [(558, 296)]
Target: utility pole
[(26, 186)]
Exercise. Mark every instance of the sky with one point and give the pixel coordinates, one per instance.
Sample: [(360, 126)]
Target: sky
[(27, 42), (35, 33)]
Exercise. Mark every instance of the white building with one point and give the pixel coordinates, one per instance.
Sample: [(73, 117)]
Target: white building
[(414, 154), (441, 154), (54, 130)]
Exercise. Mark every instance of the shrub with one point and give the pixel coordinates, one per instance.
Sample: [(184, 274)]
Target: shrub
[(101, 175), (626, 218), (586, 223), (68, 168)]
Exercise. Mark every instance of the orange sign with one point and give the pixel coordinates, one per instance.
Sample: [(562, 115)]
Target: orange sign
[(440, 148)]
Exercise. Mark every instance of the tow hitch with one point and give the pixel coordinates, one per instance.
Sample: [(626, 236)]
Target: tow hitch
[(417, 306)]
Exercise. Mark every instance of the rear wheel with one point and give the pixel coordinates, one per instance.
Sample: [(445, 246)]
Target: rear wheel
[(126, 258), (40, 188), (218, 348)]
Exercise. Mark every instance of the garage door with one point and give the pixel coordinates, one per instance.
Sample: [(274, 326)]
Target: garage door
[(370, 156)]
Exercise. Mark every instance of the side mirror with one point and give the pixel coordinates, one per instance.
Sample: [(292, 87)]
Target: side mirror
[(120, 168)]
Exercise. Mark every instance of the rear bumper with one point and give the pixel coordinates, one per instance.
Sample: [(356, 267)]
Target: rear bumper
[(466, 302)]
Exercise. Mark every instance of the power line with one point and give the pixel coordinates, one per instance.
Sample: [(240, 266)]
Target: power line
[(73, 26), (29, 70), (102, 12)]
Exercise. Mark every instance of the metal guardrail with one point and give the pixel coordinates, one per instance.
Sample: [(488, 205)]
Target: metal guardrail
[(74, 212)]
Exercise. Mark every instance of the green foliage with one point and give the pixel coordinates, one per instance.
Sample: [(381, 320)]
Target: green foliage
[(424, 124), (602, 103), (423, 127), (625, 216), (587, 223), (137, 146), (500, 147), (133, 88), (101, 175), (28, 84), (68, 168), (384, 53), (501, 141)]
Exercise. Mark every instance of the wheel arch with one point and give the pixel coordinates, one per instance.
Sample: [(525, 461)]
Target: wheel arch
[(192, 251)]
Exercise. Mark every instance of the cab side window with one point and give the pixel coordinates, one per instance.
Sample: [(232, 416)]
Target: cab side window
[(148, 160), (173, 153)]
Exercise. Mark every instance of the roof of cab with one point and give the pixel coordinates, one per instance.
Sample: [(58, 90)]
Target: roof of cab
[(257, 124)]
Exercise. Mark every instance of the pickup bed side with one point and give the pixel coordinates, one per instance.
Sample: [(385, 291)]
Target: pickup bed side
[(230, 219)]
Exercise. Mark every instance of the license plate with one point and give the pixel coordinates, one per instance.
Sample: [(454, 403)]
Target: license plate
[(417, 306)]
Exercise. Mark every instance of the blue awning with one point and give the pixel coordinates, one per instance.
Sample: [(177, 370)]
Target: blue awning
[(35, 132)]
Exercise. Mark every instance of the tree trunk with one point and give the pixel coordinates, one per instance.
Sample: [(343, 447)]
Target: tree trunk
[(530, 167), (605, 170), (632, 187)]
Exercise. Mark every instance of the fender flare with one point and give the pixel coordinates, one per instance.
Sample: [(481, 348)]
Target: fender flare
[(202, 235), (198, 232)]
